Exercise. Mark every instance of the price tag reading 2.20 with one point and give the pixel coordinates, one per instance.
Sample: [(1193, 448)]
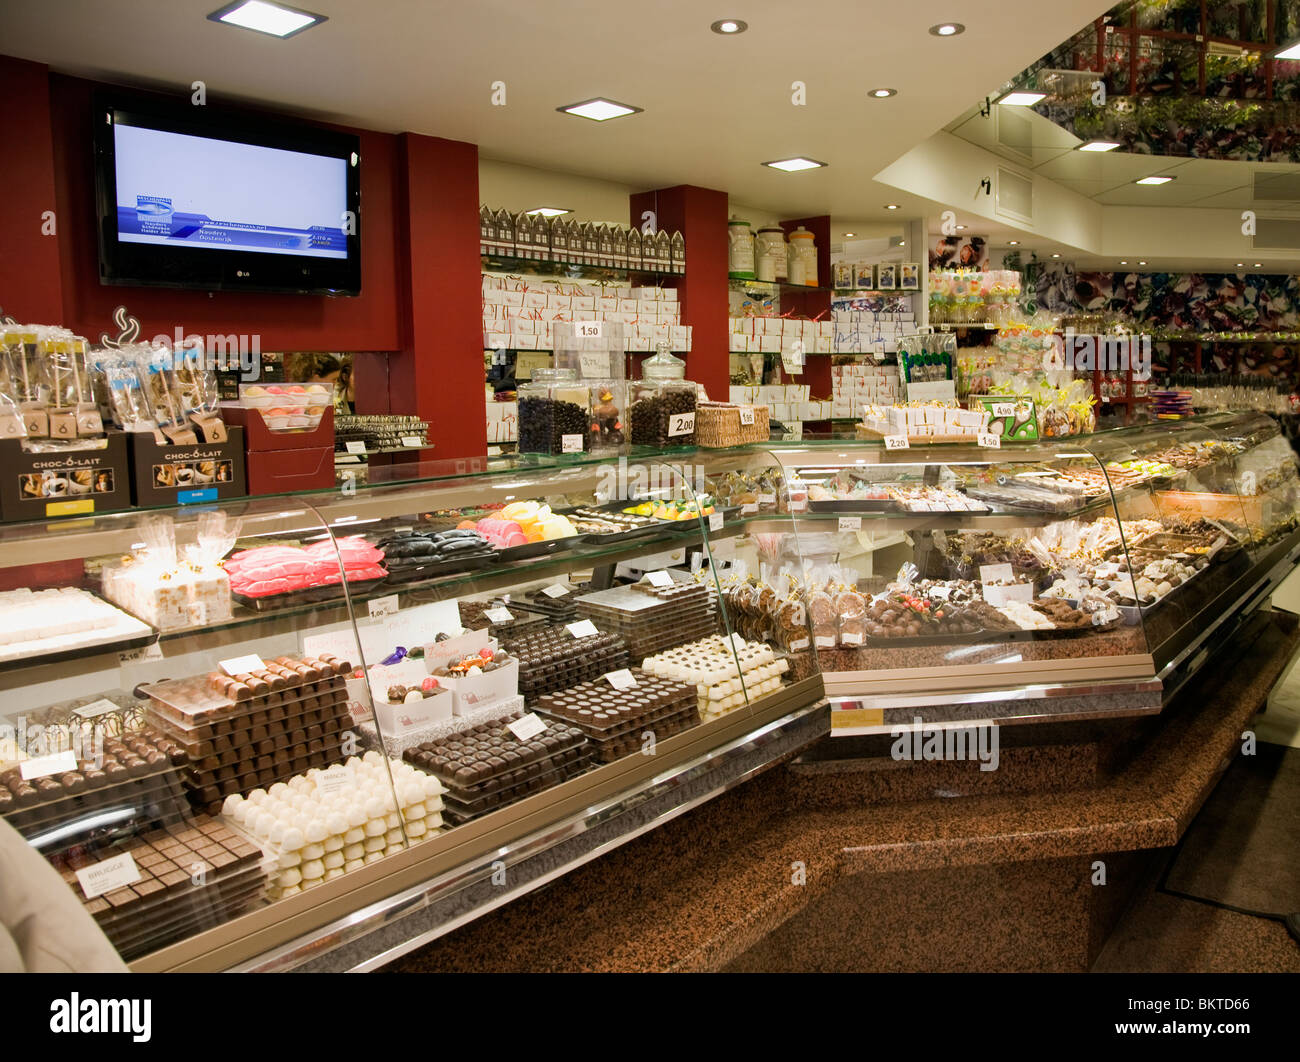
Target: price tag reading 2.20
[(896, 442)]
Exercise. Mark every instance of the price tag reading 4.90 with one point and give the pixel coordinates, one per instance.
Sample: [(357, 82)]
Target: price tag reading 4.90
[(681, 424)]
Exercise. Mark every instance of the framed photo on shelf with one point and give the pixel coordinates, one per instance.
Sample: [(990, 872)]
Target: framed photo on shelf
[(909, 276), (886, 276)]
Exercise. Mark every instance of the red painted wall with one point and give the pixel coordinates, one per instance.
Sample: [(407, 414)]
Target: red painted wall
[(701, 216), (30, 288), (284, 322)]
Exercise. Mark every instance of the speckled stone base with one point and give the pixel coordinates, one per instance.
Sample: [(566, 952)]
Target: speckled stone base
[(888, 867)]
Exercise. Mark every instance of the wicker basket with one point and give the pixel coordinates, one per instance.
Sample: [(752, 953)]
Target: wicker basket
[(717, 424)]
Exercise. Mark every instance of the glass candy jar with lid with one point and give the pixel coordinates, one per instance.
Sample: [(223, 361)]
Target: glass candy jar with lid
[(554, 413), (662, 413)]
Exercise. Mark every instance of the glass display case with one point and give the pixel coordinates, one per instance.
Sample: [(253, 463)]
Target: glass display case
[(262, 733)]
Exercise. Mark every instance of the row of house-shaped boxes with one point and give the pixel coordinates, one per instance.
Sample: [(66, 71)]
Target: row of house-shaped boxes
[(502, 234)]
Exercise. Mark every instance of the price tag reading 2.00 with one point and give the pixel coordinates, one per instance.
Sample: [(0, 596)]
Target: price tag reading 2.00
[(681, 424)]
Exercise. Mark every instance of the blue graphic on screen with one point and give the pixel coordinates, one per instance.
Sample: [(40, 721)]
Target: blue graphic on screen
[(192, 191)]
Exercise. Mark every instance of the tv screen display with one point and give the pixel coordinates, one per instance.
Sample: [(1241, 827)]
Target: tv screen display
[(200, 200)]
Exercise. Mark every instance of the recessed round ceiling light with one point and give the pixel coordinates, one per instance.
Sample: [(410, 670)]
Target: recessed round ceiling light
[(850, 234), (883, 93), (1259, 265), (1055, 255), (947, 29), (891, 206), (1123, 261), (1141, 263), (1240, 264), (1014, 243), (961, 226), (729, 26)]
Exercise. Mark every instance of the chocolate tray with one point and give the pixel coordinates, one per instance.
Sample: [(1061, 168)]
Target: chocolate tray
[(637, 531), (414, 573), (862, 505), (538, 549), (312, 596)]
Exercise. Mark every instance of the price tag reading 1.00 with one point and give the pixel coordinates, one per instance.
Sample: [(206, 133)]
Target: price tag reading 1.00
[(746, 414), (571, 444), (681, 424), (850, 523), (383, 606), (990, 441), (896, 442)]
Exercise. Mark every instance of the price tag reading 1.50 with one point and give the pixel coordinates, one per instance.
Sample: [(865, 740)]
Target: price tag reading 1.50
[(989, 440), (589, 329), (896, 442)]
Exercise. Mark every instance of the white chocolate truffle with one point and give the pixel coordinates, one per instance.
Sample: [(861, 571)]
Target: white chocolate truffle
[(354, 836), (374, 857), (316, 832), (313, 868), (353, 864), (313, 851), (332, 860), (289, 876), (231, 804), (374, 844), (354, 851)]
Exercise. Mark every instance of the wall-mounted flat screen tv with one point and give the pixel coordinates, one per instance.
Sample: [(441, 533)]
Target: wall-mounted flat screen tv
[(189, 197)]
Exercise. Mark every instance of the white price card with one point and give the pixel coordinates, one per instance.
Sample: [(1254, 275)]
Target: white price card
[(989, 440), (738, 641), (594, 363), (660, 578), (681, 424), (499, 615), (329, 783), (792, 362), (107, 875), (940, 593), (1249, 485), (1004, 409), (571, 444), (527, 727), (383, 606), (412, 441), (556, 590), (996, 573), (715, 521), (40, 766), (590, 329), (850, 523), (896, 442), (621, 680), (242, 665), (582, 629), (103, 706), (749, 509), (355, 447), (746, 414), (145, 654), (1000, 595)]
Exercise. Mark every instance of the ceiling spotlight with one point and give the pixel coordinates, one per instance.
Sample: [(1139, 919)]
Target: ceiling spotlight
[(794, 164), (850, 234), (883, 93), (1099, 145), (1140, 262), (276, 20), (1055, 255), (729, 26), (599, 109), (902, 243), (1240, 264), (961, 227), (1021, 99), (1123, 261), (947, 29), (891, 206), (1014, 243), (1153, 180), (548, 212), (1259, 265)]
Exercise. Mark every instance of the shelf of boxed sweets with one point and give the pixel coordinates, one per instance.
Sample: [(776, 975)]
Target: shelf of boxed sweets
[(550, 269)]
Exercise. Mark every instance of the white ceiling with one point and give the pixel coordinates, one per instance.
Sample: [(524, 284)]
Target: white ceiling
[(715, 107)]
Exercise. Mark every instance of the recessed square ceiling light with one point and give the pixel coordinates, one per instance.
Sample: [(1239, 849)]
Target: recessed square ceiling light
[(276, 20), (1099, 145), (1153, 180), (599, 109), (549, 212), (1021, 99), (794, 164)]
